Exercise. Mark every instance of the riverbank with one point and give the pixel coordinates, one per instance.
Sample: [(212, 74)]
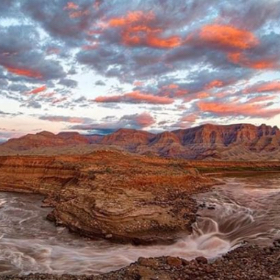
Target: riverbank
[(244, 263)]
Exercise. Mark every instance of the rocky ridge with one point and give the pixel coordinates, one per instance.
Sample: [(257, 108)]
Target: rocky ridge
[(205, 142)]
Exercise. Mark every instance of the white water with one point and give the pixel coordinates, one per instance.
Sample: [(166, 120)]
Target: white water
[(245, 210)]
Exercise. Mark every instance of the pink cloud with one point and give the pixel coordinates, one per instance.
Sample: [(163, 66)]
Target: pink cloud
[(135, 97), (38, 90), (144, 120), (138, 29), (237, 109), (273, 86)]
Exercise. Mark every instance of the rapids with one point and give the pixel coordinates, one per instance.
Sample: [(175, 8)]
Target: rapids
[(242, 210)]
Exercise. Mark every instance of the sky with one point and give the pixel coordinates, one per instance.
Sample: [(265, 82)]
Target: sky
[(94, 66)]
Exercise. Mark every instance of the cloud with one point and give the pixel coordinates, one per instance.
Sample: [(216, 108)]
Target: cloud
[(68, 83), (135, 97), (38, 90), (236, 109), (273, 86), (160, 51), (18, 87), (22, 58), (66, 119), (139, 28), (25, 72), (71, 6), (6, 134), (32, 104), (260, 64), (139, 120), (253, 15), (224, 37), (136, 121), (73, 19), (100, 83)]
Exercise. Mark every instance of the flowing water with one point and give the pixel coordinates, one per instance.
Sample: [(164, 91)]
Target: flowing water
[(244, 209)]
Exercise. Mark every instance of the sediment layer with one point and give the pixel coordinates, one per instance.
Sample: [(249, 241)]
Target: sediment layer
[(112, 195)]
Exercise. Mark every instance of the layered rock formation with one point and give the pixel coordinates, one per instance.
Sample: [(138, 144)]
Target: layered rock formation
[(206, 142), (110, 194)]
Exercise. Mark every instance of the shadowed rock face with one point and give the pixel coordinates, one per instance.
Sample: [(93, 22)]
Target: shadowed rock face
[(227, 142), (110, 194)]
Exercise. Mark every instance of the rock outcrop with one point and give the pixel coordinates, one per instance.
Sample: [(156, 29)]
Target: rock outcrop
[(112, 195)]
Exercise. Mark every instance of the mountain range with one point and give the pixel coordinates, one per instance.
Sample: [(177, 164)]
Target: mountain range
[(205, 142)]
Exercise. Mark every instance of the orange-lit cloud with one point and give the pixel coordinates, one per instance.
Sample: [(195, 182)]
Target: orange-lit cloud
[(71, 6), (144, 120), (170, 42), (78, 14), (214, 84), (171, 86), (236, 109), (202, 95), (25, 72), (135, 97), (226, 36), (74, 10), (241, 59), (137, 29), (59, 100), (260, 99), (138, 84), (189, 118), (264, 87), (133, 17), (38, 90), (173, 90), (198, 95)]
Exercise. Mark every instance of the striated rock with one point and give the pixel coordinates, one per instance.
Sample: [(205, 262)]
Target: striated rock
[(111, 195), (129, 139)]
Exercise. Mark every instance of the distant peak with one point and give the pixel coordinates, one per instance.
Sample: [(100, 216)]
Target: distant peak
[(68, 133), (45, 133)]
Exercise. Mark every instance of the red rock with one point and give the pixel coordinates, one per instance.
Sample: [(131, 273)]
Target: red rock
[(174, 262), (202, 260), (222, 142)]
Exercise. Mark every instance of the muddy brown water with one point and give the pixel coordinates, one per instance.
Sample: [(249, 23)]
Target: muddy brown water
[(242, 210)]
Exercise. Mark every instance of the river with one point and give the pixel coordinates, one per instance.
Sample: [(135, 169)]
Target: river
[(241, 210)]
